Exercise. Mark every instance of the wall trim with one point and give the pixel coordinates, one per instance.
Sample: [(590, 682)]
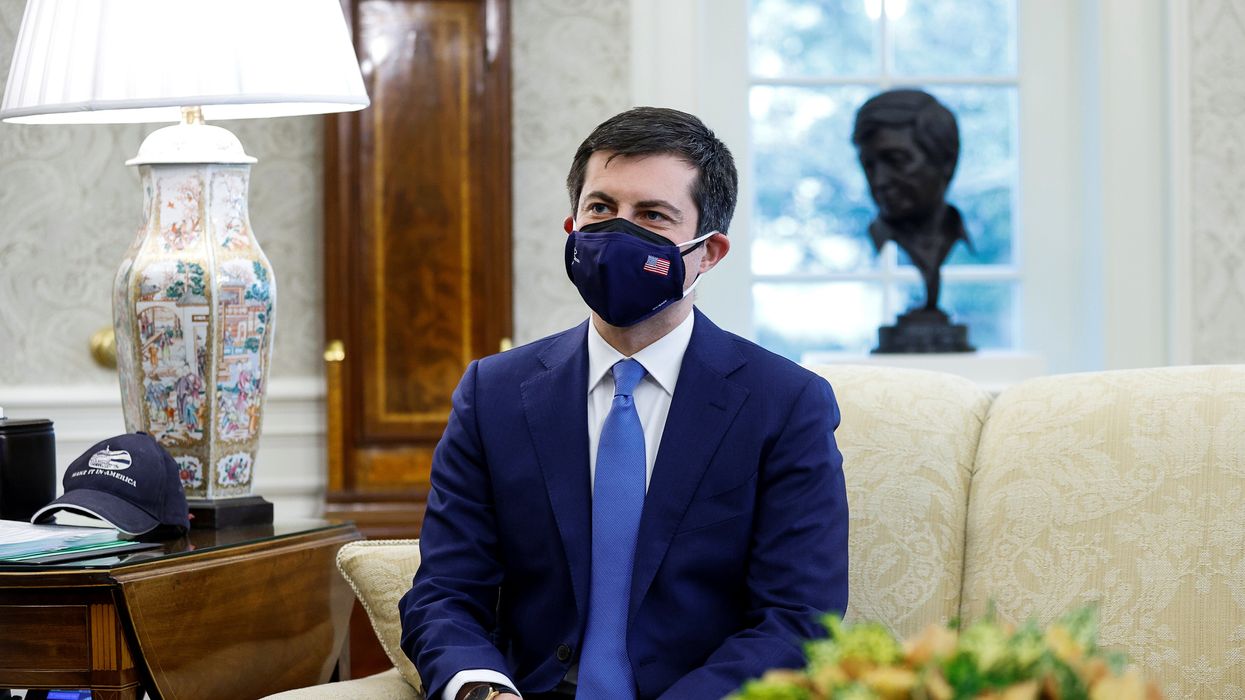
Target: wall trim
[(291, 468), (1180, 184), (84, 395)]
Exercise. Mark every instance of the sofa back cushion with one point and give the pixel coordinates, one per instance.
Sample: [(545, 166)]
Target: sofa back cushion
[(908, 439), (380, 572), (1125, 489)]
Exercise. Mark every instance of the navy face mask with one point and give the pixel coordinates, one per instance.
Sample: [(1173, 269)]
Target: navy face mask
[(625, 272)]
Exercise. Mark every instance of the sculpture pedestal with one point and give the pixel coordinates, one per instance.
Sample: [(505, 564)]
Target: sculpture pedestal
[(923, 331)]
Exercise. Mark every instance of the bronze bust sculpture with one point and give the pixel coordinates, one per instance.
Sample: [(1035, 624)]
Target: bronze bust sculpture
[(909, 144)]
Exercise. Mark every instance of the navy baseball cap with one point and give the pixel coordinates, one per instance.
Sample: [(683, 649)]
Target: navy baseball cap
[(128, 481)]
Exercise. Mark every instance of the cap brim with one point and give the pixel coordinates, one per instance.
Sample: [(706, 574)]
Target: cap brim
[(119, 513)]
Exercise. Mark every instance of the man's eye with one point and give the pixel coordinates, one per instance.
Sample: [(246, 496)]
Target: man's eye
[(597, 208), (654, 216), (898, 158)]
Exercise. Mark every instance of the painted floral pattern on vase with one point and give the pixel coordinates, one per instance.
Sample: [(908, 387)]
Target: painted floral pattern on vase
[(194, 323), (234, 470), (191, 471)]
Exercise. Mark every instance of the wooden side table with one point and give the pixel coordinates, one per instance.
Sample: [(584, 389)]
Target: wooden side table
[(234, 613)]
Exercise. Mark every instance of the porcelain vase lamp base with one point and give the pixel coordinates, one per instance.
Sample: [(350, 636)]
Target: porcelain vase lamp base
[(193, 312)]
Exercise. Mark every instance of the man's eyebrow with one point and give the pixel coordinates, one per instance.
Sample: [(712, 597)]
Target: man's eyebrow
[(599, 195), (675, 212)]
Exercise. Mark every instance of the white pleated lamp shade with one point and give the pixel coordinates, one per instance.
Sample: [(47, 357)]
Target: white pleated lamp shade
[(123, 61)]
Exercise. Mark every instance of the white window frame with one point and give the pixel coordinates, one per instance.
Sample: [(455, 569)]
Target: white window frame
[(1093, 204)]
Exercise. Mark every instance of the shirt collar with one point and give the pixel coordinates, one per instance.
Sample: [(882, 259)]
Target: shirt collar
[(662, 359)]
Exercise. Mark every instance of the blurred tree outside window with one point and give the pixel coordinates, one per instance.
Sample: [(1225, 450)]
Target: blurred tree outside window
[(816, 283)]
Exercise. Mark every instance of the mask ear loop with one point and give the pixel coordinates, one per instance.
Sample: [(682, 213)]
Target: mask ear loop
[(695, 243), (693, 287)]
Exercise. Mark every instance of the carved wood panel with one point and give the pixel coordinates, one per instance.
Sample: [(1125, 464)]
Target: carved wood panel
[(417, 244)]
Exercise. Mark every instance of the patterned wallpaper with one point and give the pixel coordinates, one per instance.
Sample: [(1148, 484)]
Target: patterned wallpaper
[(571, 72), (1217, 169), (68, 204)]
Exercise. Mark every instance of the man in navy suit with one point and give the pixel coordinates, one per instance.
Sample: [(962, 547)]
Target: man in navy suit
[(741, 544)]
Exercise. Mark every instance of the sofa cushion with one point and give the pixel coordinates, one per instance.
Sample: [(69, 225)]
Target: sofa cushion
[(1125, 489), (380, 572), (908, 439), (387, 685)]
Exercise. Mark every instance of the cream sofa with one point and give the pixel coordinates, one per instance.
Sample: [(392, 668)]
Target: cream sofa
[(1125, 488)]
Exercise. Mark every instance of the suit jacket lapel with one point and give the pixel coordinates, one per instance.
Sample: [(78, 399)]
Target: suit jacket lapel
[(555, 405), (704, 405)]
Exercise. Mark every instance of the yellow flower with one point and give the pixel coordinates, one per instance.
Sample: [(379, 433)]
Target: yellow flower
[(986, 641), (826, 677), (1027, 646), (865, 662), (787, 676), (1094, 670), (934, 642), (1126, 687), (869, 643), (1021, 691), (856, 666), (1065, 647), (890, 683), (936, 687)]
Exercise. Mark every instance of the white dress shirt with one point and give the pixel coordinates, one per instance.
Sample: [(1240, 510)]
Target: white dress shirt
[(653, 394), (661, 361)]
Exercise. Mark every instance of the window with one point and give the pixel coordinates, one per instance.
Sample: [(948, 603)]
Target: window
[(816, 283), (1086, 158)]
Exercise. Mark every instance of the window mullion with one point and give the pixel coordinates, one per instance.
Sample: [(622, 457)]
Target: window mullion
[(884, 45)]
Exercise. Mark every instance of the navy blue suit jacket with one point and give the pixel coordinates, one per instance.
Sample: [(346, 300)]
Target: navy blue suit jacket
[(742, 543)]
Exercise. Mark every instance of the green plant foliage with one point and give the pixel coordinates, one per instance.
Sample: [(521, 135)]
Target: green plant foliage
[(985, 658)]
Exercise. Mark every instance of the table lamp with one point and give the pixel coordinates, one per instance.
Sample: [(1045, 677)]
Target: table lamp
[(194, 299)]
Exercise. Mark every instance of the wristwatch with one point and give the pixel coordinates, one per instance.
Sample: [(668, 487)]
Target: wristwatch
[(488, 691)]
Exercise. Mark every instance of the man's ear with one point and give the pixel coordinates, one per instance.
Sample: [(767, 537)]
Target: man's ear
[(716, 247), (568, 225)]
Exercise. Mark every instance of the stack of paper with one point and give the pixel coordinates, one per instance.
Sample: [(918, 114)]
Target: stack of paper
[(19, 539)]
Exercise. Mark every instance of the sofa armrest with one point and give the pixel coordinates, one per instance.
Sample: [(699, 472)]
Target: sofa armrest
[(380, 572), (389, 685)]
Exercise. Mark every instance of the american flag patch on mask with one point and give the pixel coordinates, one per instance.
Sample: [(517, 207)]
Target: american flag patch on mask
[(656, 265)]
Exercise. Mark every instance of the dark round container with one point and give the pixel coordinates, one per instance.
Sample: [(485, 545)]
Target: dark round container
[(27, 467)]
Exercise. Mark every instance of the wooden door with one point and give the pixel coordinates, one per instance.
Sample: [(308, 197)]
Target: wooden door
[(417, 245)]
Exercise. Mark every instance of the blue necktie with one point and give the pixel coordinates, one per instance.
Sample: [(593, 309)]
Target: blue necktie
[(617, 502)]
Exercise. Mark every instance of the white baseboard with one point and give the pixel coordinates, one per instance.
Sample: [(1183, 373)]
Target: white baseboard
[(291, 466)]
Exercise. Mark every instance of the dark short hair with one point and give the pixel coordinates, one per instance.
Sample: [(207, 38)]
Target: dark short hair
[(934, 127), (646, 131)]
